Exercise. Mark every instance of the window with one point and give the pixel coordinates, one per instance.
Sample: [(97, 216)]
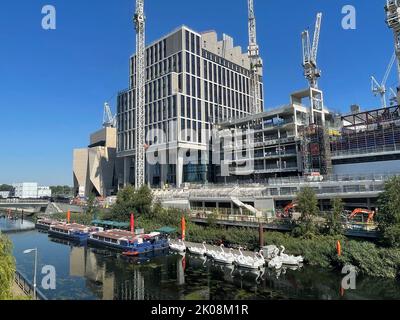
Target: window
[(192, 43), (197, 45), (187, 35), (188, 85)]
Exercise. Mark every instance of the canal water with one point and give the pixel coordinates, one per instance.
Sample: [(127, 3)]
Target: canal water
[(15, 225), (90, 273)]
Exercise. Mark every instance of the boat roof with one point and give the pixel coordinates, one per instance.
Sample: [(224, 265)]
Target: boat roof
[(71, 226), (113, 224), (116, 234)]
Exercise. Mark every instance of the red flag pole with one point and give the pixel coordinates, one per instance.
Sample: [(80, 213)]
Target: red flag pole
[(68, 216), (183, 226), (132, 223)]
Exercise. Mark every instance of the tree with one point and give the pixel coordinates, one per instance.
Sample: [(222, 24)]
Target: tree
[(388, 216), (91, 208), (307, 205), (130, 201), (7, 268), (6, 187), (334, 224)]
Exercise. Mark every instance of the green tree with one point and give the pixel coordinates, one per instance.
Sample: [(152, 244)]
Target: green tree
[(307, 205), (334, 223), (388, 216), (91, 208), (7, 268), (6, 187), (130, 201)]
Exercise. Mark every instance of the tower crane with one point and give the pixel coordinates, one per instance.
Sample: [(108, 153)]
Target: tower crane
[(392, 97), (392, 10), (311, 71), (255, 62), (140, 24), (380, 89), (109, 121)]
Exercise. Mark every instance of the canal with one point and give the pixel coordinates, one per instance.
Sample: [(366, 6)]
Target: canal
[(90, 273)]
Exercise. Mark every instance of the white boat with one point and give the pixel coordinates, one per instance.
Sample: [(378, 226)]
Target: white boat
[(223, 257), (270, 252), (197, 250), (289, 260), (275, 263), (247, 262), (209, 253), (179, 247)]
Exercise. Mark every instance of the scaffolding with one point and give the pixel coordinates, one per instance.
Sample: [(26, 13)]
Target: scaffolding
[(315, 150)]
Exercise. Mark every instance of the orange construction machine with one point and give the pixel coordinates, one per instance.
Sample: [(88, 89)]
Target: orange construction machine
[(364, 214)]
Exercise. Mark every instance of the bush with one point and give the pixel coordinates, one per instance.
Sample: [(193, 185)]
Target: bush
[(388, 216), (7, 268)]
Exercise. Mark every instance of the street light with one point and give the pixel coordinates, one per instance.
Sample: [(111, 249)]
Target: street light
[(34, 271)]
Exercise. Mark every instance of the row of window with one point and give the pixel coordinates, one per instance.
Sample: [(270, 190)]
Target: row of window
[(192, 42), (156, 52), (226, 63), (161, 110)]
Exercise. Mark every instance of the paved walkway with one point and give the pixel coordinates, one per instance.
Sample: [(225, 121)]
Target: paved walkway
[(17, 291)]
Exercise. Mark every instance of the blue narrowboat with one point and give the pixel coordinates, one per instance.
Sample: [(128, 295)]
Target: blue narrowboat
[(73, 231)]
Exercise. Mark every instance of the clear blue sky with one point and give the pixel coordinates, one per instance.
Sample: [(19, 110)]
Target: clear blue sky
[(53, 83)]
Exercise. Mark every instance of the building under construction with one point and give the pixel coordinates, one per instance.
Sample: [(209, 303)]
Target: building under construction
[(195, 81), (369, 141)]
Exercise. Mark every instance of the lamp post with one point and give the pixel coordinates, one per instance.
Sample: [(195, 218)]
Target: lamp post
[(34, 271)]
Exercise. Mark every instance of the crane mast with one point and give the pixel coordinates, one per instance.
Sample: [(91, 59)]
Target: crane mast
[(255, 62), (310, 53), (140, 23), (392, 10)]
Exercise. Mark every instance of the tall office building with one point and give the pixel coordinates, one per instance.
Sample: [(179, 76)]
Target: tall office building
[(193, 82)]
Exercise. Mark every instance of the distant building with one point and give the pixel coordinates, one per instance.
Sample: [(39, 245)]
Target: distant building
[(44, 192), (30, 190), (95, 167)]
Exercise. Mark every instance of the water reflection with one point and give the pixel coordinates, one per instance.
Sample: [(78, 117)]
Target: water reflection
[(9, 225), (96, 273)]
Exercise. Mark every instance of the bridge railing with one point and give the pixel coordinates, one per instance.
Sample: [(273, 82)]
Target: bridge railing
[(16, 201), (27, 286)]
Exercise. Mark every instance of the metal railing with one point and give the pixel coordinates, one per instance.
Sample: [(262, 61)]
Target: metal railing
[(367, 150), (351, 228), (27, 287)]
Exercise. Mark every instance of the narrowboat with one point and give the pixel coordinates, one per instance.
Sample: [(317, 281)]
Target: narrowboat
[(73, 231), (44, 224), (115, 238), (147, 243)]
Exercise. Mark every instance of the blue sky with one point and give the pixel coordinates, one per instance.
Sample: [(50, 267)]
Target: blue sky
[(53, 83)]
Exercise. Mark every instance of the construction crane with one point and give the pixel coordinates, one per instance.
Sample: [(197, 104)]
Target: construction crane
[(109, 121), (140, 24), (380, 89), (311, 71), (255, 62), (392, 10), (392, 97)]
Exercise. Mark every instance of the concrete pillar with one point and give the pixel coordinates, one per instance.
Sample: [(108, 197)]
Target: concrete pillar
[(179, 170), (369, 203), (126, 170)]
